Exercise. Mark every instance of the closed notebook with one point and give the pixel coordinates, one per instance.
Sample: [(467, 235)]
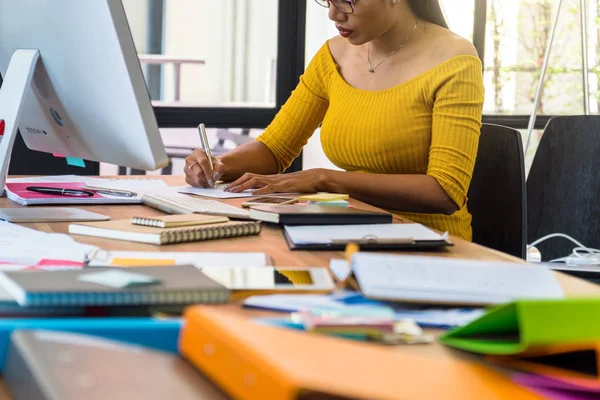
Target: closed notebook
[(181, 284), (301, 214), (368, 236), (253, 361), (125, 230), (49, 365), (174, 221)]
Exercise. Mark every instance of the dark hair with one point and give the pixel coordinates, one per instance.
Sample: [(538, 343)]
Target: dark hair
[(429, 10)]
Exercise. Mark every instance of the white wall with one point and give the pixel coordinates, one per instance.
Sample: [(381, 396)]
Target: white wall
[(136, 11)]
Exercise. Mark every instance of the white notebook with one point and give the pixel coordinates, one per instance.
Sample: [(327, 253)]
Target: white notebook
[(451, 281)]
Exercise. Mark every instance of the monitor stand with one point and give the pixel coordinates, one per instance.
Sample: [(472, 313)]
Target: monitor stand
[(15, 87)]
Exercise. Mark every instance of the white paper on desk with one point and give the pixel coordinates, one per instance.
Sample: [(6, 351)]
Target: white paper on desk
[(443, 280), (139, 186), (24, 246), (198, 259), (214, 193), (318, 234)]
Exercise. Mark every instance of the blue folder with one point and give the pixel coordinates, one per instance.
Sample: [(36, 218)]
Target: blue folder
[(160, 334)]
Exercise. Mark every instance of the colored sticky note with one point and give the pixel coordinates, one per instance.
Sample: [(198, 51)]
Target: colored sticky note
[(76, 162), (140, 262), (323, 197), (58, 155)]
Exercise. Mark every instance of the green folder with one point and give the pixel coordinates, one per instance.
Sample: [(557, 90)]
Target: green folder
[(515, 328)]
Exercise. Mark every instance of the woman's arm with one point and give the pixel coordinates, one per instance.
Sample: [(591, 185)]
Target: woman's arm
[(410, 193), (249, 157)]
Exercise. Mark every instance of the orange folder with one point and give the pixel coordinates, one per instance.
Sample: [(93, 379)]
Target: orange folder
[(253, 361)]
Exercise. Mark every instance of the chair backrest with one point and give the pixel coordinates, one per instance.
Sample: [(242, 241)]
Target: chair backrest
[(497, 198), (563, 186)]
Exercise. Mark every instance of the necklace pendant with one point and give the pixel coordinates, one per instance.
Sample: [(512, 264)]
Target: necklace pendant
[(371, 70)]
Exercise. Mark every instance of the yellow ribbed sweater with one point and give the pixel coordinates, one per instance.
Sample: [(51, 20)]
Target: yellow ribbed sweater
[(427, 125)]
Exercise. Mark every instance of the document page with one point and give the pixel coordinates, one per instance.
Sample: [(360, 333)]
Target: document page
[(442, 280)]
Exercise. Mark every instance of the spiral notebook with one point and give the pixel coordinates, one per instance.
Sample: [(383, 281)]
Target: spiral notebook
[(175, 221), (180, 285), (125, 230)]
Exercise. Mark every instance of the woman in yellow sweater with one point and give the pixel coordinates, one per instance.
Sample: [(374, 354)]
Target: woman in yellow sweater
[(399, 98)]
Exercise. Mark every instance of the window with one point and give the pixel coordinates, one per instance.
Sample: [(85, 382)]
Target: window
[(517, 35), (210, 53)]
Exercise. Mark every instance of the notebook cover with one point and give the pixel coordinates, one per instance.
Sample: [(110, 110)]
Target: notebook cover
[(160, 334), (181, 284), (58, 365), (17, 191), (253, 361), (125, 230), (302, 214), (174, 221), (429, 244), (528, 327)]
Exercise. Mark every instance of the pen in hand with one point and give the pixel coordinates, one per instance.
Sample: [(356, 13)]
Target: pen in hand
[(206, 148)]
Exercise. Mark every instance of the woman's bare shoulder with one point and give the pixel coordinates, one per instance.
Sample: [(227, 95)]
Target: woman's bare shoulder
[(446, 44), (339, 48)]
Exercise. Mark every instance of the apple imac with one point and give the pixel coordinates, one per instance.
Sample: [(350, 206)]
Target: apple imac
[(73, 84)]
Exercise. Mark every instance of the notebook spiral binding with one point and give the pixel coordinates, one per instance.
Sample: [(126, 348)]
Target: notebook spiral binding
[(211, 232), (147, 222)]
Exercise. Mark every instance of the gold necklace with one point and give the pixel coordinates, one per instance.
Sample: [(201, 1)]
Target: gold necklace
[(372, 69)]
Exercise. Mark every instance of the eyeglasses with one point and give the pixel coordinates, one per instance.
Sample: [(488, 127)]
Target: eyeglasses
[(345, 6)]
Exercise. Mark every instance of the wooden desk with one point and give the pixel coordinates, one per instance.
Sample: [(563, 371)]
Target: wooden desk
[(271, 242)]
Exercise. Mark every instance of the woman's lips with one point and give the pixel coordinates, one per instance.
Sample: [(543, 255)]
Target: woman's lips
[(345, 32)]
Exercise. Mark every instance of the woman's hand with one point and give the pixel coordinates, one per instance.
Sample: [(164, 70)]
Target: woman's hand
[(198, 172), (309, 181)]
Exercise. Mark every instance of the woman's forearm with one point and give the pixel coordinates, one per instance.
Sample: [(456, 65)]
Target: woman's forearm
[(252, 157), (410, 193)]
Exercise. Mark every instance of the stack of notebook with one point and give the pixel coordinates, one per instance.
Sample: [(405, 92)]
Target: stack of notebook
[(168, 229), (147, 286)]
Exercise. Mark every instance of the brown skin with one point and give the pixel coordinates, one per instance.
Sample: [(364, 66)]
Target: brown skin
[(381, 26)]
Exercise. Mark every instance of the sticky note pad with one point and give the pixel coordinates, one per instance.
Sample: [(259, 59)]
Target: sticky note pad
[(76, 162), (141, 262), (58, 155), (118, 279), (324, 197)]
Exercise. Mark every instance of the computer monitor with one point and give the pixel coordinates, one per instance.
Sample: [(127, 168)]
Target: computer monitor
[(73, 84)]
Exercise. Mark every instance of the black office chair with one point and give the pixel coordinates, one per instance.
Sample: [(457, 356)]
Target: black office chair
[(497, 199), (563, 186)]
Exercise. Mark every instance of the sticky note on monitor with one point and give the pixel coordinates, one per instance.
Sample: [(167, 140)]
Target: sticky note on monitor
[(76, 162)]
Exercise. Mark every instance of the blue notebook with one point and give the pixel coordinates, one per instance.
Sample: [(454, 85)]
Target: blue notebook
[(160, 334)]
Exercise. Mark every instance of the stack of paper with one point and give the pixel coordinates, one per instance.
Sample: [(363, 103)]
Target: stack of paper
[(27, 247)]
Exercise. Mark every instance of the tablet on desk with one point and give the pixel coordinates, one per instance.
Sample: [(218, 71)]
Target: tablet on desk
[(49, 214), (311, 279)]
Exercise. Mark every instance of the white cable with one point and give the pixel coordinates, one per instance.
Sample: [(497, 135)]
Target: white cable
[(580, 255)]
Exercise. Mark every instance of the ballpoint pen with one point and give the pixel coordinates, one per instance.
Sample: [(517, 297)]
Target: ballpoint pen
[(111, 192), (206, 148), (60, 191)]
